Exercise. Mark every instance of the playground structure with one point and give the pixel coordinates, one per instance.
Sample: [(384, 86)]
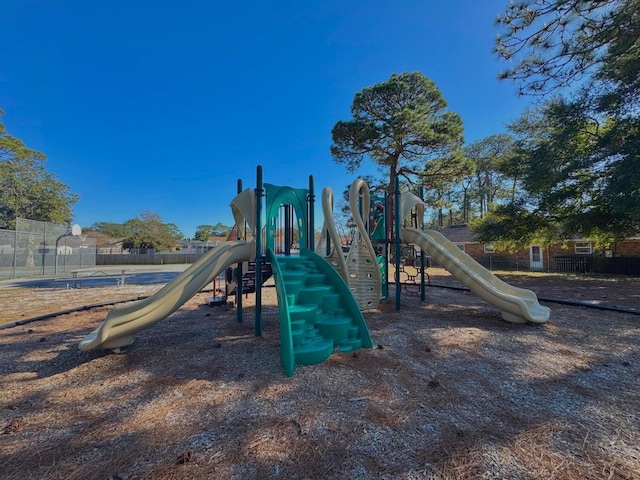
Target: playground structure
[(317, 312), (517, 305), (359, 267), (320, 296)]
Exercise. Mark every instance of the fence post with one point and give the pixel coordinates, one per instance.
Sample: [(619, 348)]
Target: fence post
[(44, 245), (15, 253)]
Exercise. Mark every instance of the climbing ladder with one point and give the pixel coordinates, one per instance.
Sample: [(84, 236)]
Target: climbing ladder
[(248, 278), (318, 315)]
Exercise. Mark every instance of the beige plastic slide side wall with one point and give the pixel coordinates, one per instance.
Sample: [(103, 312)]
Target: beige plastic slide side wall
[(243, 210), (123, 322), (518, 305), (329, 232)]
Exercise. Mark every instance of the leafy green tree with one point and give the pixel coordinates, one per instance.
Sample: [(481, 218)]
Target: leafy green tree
[(113, 230), (514, 225), (579, 157), (401, 125), (488, 155), (175, 231), (575, 179), (554, 43), (444, 177), (150, 232), (26, 189), (204, 232)]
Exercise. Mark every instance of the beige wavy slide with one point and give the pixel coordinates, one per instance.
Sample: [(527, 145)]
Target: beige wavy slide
[(123, 322), (330, 233), (518, 305)]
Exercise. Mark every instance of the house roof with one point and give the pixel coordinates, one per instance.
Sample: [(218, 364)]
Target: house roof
[(216, 240), (459, 234), (233, 234)]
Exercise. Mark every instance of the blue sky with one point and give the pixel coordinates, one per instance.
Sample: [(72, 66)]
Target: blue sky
[(161, 106)]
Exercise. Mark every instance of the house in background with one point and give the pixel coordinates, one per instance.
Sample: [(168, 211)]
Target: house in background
[(530, 258), (188, 245), (578, 255)]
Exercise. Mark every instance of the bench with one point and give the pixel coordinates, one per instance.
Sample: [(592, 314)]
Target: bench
[(77, 279)]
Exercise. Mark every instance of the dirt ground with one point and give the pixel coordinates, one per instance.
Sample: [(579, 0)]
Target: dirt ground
[(450, 391)]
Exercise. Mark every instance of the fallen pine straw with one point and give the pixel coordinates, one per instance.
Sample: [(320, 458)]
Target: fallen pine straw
[(453, 392)]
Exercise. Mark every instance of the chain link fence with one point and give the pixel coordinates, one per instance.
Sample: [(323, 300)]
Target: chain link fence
[(41, 248)]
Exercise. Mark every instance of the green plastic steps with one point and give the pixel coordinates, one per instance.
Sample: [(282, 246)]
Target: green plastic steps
[(316, 279), (294, 286), (298, 324), (350, 345), (317, 312), (336, 328), (330, 303), (298, 336), (310, 353), (293, 275), (314, 294), (306, 313)]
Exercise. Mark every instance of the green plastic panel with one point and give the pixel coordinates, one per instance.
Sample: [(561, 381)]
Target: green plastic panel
[(286, 337), (382, 263), (279, 195), (377, 223)]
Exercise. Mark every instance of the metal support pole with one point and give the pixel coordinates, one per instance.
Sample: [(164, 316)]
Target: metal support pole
[(44, 245), (386, 238), (64, 257), (239, 270), (55, 254), (259, 195), (396, 208), (15, 254), (287, 230), (311, 235)]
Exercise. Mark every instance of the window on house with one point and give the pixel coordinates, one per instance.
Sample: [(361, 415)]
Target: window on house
[(583, 248), (488, 248), (460, 246)]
